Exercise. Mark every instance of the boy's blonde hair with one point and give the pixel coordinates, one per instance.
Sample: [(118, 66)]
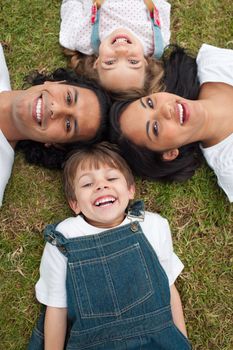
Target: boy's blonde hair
[(94, 156), (83, 65)]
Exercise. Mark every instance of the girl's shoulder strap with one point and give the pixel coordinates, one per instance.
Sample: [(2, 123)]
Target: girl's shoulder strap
[(150, 5), (155, 20)]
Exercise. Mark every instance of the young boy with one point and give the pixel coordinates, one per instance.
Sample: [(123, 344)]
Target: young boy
[(105, 274)]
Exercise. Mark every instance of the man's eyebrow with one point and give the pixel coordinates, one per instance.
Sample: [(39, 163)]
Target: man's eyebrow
[(142, 103), (148, 129), (75, 95), (76, 129)]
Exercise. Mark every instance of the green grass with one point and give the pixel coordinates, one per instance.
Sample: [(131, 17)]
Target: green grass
[(199, 214)]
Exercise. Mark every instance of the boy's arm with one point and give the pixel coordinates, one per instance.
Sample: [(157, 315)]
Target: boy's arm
[(177, 311), (55, 328)]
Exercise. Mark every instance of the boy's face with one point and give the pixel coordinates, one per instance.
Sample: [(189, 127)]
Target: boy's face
[(121, 64), (102, 195)]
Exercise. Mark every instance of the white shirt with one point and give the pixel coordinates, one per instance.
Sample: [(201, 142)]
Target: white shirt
[(76, 27), (6, 151), (51, 287), (216, 65)]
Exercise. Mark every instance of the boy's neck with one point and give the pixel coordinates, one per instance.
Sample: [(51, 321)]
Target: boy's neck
[(106, 225)]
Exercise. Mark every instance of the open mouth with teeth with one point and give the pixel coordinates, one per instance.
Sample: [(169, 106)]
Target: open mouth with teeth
[(38, 110), (181, 113), (121, 39), (104, 201)]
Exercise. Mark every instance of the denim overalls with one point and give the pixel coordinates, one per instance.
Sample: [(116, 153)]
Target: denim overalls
[(117, 292)]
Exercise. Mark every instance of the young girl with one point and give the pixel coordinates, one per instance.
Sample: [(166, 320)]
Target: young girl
[(109, 271), (121, 40)]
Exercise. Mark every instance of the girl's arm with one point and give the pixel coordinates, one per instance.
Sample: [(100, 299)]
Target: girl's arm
[(177, 311), (55, 328)]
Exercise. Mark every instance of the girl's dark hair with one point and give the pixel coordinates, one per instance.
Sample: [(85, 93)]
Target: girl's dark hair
[(54, 156), (180, 78)]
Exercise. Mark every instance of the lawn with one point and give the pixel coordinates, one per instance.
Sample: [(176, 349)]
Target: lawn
[(200, 216)]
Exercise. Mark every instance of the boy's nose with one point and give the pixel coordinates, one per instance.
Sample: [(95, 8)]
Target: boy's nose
[(102, 185)]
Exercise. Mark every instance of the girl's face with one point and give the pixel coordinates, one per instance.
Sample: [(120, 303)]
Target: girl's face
[(54, 112), (163, 121), (121, 63)]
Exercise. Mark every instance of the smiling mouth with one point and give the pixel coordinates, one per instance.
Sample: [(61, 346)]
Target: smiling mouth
[(38, 111), (181, 113), (104, 201), (121, 39)]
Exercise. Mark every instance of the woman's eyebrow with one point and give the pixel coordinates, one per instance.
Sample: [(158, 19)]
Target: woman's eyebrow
[(142, 103)]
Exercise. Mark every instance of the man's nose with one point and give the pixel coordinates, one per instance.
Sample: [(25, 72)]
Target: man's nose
[(58, 111)]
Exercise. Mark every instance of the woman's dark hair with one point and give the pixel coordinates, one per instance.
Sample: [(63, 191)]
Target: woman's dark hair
[(180, 78), (54, 156)]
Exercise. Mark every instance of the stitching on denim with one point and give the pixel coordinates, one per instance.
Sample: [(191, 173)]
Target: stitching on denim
[(118, 311), (115, 323), (125, 337)]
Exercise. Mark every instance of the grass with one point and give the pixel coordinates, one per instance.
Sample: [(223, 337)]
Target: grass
[(199, 214)]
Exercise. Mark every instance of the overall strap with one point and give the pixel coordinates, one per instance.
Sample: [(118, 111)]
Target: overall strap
[(158, 39), (154, 16), (55, 238), (136, 211), (95, 16)]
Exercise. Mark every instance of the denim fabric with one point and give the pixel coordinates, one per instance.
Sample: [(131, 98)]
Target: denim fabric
[(118, 294)]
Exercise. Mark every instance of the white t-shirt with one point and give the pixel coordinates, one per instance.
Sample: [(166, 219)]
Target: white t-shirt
[(51, 287), (6, 151), (216, 65), (76, 27)]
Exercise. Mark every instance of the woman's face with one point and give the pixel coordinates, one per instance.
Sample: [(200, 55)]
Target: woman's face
[(55, 112), (162, 121)]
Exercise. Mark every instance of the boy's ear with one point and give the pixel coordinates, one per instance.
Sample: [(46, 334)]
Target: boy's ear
[(96, 63), (170, 155), (74, 206), (131, 191)]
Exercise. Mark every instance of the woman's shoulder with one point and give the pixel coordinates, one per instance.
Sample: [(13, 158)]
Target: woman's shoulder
[(215, 64)]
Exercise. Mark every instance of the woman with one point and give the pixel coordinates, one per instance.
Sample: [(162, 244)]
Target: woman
[(59, 112), (168, 130)]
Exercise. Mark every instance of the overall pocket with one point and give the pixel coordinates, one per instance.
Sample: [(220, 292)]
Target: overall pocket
[(111, 285)]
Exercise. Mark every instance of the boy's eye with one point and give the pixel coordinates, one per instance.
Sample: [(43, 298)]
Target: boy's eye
[(68, 125), (112, 178), (156, 128), (69, 98), (87, 184), (133, 61), (149, 103)]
